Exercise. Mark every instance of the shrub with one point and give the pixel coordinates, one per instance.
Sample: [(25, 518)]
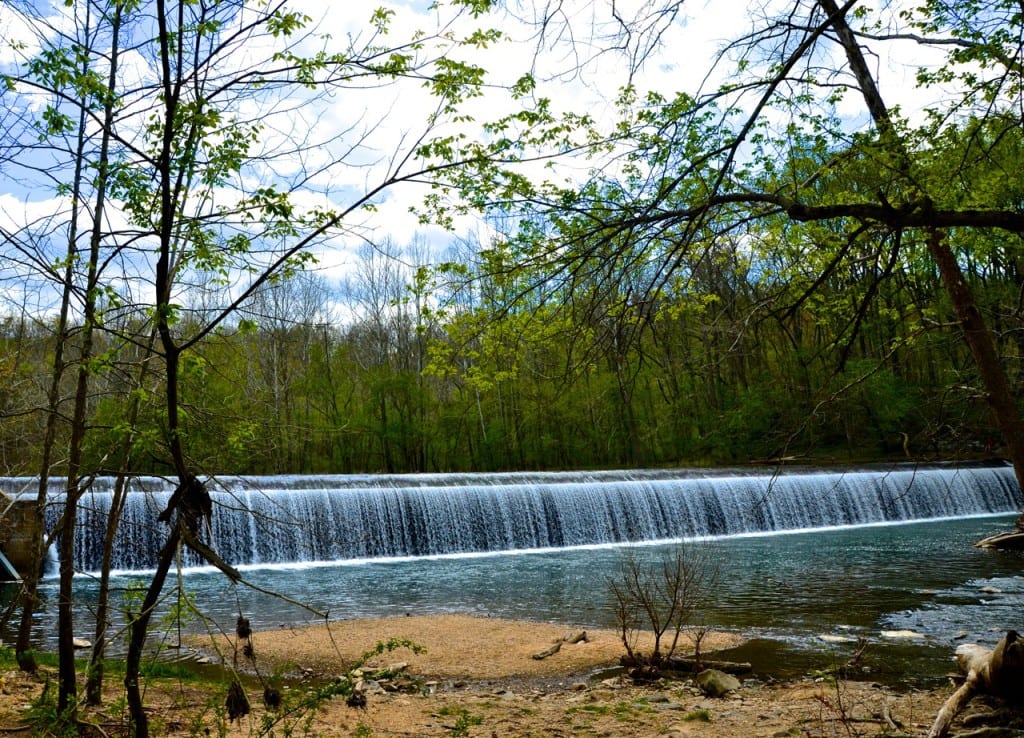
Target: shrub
[(665, 597)]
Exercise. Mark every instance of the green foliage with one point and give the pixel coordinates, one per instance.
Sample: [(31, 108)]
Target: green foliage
[(155, 668), (693, 375), (391, 644), (46, 720), (283, 23), (612, 319), (131, 599), (464, 720)]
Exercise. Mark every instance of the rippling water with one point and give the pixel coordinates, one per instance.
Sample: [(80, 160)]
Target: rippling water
[(783, 591)]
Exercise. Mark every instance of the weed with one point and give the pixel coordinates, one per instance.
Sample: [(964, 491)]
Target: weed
[(118, 708), (197, 725), (163, 670), (46, 720), (464, 720), (392, 644), (627, 711), (41, 658)]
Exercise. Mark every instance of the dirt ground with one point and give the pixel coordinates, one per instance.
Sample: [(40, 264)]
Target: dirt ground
[(477, 678), (481, 669)]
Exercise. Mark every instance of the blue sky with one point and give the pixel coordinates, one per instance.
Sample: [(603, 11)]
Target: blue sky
[(357, 135)]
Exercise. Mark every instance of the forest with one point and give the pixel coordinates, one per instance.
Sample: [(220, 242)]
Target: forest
[(621, 256), (736, 367)]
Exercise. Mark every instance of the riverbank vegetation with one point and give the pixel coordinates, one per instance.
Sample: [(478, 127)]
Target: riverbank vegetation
[(461, 679)]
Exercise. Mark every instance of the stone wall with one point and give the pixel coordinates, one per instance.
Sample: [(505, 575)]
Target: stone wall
[(18, 527)]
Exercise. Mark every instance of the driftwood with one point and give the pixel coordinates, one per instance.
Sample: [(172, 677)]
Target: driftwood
[(729, 667), (573, 636), (998, 672), (549, 651), (1008, 541)]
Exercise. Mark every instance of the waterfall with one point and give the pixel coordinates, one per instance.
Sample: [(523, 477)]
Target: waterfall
[(289, 519)]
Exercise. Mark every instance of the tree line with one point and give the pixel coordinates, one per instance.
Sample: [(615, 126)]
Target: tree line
[(385, 372)]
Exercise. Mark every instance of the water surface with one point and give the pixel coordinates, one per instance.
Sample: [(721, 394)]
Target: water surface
[(781, 590)]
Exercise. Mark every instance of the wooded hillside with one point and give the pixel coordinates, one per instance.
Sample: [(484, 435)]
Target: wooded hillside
[(735, 368)]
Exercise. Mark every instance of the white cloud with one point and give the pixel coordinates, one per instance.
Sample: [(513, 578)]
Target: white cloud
[(354, 135)]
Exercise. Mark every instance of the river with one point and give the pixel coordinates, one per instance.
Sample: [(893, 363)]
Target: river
[(783, 589)]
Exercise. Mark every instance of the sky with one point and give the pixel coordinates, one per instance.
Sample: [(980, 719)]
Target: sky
[(680, 62), (366, 127)]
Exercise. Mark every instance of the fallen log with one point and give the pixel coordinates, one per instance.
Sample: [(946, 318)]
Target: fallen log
[(549, 651), (572, 638), (729, 667), (998, 672)]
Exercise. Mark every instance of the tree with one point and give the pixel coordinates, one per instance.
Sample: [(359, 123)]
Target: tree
[(275, 406), (680, 172), (201, 151), (193, 153), (663, 597), (77, 95), (385, 295)]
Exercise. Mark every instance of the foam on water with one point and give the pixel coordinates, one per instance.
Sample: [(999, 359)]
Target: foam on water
[(310, 520)]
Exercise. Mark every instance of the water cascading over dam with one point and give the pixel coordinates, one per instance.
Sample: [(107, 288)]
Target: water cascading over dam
[(291, 519)]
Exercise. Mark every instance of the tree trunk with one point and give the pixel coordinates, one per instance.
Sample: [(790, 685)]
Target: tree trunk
[(138, 628), (976, 332), (94, 680), (979, 339), (998, 672)]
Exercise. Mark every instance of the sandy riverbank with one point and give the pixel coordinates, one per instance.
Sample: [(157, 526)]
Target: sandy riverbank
[(477, 678), (456, 646), (481, 671)]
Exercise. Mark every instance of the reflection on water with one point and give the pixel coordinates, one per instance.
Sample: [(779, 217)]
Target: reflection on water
[(782, 590)]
